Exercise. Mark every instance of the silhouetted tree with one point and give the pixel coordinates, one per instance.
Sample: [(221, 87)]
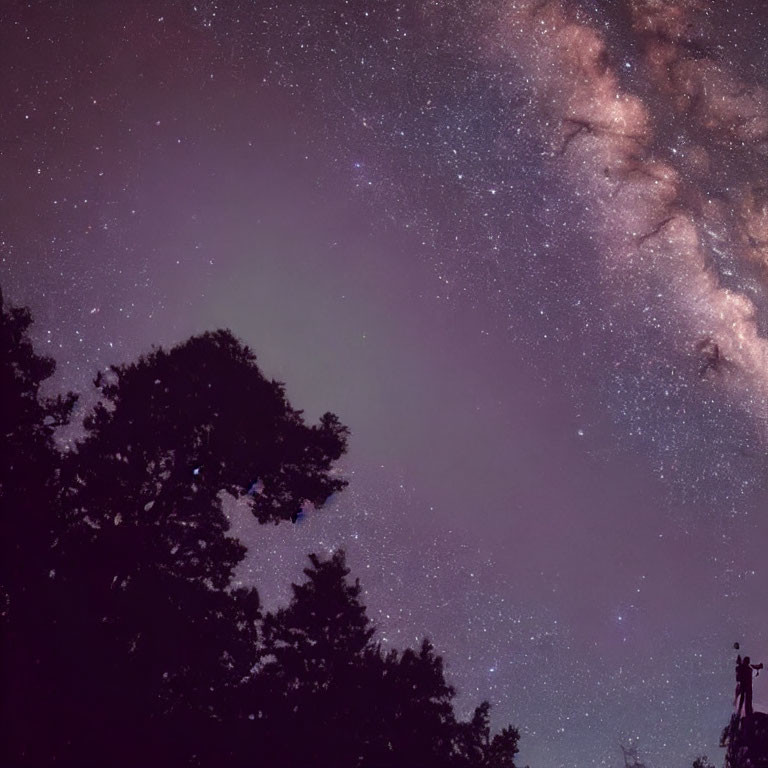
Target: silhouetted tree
[(29, 526), (702, 761), (336, 699), (746, 741), (423, 725), (313, 668), (503, 748), (476, 747), (123, 642), (145, 630)]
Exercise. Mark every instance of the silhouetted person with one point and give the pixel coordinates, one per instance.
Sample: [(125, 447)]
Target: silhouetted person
[(744, 684)]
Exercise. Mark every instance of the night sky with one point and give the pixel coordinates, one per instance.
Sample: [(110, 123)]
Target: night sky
[(519, 247)]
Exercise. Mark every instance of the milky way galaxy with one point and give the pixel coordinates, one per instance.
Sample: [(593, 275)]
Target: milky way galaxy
[(661, 206), (520, 247)]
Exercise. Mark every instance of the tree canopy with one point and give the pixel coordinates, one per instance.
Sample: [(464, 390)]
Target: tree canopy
[(29, 521), (124, 641)]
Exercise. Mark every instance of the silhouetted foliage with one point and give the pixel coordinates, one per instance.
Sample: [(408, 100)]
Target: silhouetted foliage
[(476, 746), (27, 472), (123, 641), (336, 693), (314, 668), (746, 741), (503, 748), (146, 551), (424, 725), (29, 524)]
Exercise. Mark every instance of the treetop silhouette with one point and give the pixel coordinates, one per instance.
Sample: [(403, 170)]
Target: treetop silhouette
[(340, 695), (176, 430), (204, 413), (146, 552), (125, 643)]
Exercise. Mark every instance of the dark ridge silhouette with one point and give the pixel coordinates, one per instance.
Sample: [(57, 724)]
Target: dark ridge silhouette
[(123, 641)]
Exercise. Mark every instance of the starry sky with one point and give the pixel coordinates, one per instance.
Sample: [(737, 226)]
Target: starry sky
[(518, 246)]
